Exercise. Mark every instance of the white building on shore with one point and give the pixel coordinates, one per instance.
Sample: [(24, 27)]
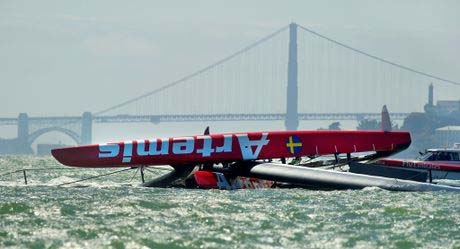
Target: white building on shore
[(448, 135)]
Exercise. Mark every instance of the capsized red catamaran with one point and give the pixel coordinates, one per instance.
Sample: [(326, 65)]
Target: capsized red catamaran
[(231, 147), (240, 155)]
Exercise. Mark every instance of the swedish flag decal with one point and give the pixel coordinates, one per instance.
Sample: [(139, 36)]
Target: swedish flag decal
[(294, 144)]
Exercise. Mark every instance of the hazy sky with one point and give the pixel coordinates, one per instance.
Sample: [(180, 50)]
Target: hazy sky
[(66, 57)]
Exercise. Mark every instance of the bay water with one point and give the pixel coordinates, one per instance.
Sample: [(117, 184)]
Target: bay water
[(113, 211)]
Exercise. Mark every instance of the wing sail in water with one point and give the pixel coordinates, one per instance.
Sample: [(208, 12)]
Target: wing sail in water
[(330, 179), (229, 147)]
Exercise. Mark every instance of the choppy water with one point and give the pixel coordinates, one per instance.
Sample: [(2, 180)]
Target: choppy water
[(112, 212)]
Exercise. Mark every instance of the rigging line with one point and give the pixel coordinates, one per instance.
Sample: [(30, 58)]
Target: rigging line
[(92, 177), (193, 74), (135, 173), (379, 58), (157, 168), (32, 169)]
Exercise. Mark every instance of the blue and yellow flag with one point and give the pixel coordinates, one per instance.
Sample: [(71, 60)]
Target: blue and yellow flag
[(294, 144)]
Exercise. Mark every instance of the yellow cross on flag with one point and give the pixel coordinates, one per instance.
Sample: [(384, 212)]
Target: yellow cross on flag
[(294, 144)]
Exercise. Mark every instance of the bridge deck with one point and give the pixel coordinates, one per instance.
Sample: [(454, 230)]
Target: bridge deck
[(204, 117)]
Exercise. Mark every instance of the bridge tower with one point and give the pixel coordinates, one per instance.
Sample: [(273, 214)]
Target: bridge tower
[(20, 144), (291, 121), (87, 128), (23, 128)]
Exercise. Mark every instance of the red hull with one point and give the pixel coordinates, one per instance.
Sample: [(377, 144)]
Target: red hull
[(212, 180), (230, 147)]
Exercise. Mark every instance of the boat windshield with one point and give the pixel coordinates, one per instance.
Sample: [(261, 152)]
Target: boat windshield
[(440, 156)]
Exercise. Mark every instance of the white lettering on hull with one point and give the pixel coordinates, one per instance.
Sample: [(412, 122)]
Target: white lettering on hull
[(127, 152), (246, 146), (108, 150), (185, 146), (152, 148)]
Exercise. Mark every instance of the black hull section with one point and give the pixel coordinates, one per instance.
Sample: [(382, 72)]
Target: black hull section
[(386, 171), (175, 178)]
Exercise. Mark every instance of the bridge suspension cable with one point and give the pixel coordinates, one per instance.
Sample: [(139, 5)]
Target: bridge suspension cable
[(333, 77), (379, 58), (187, 77)]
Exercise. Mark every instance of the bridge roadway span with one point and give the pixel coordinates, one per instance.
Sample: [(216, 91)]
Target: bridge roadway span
[(62, 120)]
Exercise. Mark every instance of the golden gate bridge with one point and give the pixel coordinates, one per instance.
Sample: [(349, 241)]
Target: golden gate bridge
[(292, 74)]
